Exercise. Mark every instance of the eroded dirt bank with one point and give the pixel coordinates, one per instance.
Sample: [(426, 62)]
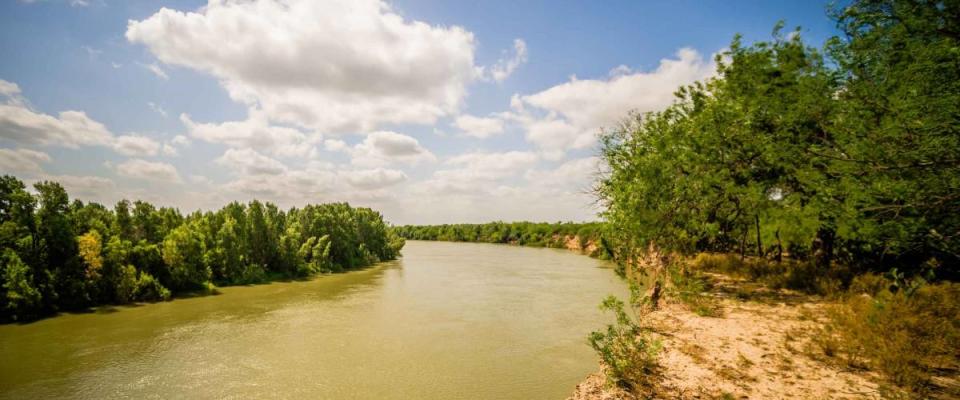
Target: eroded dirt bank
[(758, 346)]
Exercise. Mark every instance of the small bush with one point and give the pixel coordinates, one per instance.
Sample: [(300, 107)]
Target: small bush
[(252, 273), (150, 289), (626, 348)]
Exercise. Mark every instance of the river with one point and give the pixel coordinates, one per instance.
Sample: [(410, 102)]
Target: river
[(447, 321)]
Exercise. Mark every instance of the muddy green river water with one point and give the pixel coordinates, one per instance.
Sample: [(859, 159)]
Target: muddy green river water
[(447, 321)]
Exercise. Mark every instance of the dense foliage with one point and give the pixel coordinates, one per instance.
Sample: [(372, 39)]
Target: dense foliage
[(835, 172), (536, 234), (847, 156), (62, 255)]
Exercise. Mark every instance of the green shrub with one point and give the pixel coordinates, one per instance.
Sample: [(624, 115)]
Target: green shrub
[(252, 273), (150, 289), (625, 348)]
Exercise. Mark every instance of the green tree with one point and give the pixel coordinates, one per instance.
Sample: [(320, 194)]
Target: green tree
[(20, 298), (183, 254)]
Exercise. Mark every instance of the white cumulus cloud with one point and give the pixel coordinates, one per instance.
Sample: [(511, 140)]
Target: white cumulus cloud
[(479, 127), (249, 162), (255, 132), (136, 145), (386, 147), (21, 124), (148, 170), (22, 161), (330, 65), (376, 178), (505, 66), (569, 116)]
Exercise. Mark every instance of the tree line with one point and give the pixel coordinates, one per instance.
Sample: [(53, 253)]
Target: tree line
[(536, 234), (63, 255), (845, 155)]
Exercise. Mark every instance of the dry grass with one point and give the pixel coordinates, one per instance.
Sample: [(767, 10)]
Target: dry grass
[(913, 338), (788, 274)]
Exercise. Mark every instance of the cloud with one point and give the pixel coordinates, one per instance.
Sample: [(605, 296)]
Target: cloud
[(254, 132), (69, 128), (169, 151), (200, 180), (148, 170), (568, 116), (155, 107), (335, 145), (479, 127), (21, 124), (494, 165), (314, 182), (249, 162), (573, 175), (477, 173), (337, 65), (374, 178), (156, 70), (136, 145), (91, 52), (385, 147), (505, 66), (72, 3), (91, 188), (8, 89), (22, 162), (181, 141)]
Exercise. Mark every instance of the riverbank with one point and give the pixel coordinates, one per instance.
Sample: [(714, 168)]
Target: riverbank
[(758, 343), (744, 339), (582, 237)]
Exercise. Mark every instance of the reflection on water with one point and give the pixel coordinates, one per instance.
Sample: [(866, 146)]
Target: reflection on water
[(449, 320)]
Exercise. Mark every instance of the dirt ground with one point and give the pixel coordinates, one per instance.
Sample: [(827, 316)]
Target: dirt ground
[(757, 347)]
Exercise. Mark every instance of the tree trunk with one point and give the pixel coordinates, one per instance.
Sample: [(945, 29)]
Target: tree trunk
[(823, 247), (779, 246), (756, 218), (654, 295), (743, 245)]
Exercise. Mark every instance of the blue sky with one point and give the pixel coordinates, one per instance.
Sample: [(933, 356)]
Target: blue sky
[(429, 111)]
